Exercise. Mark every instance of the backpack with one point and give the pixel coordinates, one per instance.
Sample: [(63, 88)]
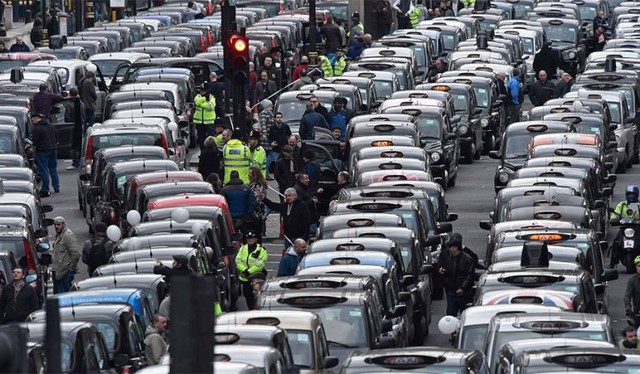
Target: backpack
[(97, 254)]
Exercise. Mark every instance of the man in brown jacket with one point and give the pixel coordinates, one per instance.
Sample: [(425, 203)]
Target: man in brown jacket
[(66, 253)]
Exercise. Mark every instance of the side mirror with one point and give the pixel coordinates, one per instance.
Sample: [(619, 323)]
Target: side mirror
[(42, 247), (376, 104), (476, 111), (120, 360), (456, 119), (329, 362), (183, 124), (628, 121), (604, 245), (598, 204), (599, 290), (115, 204), (495, 155), (184, 133), (41, 233), (609, 165), (497, 104), (451, 136), (403, 297), (31, 278), (607, 192), (172, 152), (485, 224), (426, 269), (179, 142), (611, 178), (609, 275), (84, 177), (443, 227), (47, 222), (385, 342), (451, 217), (398, 311), (407, 281), (386, 326), (612, 145), (613, 126), (432, 240), (502, 97), (46, 208)]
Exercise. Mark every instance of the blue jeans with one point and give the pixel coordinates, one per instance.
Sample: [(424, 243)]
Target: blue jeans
[(271, 158), (64, 284), (47, 162), (456, 304)]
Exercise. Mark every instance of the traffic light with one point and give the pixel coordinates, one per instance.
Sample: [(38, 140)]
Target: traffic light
[(238, 60)]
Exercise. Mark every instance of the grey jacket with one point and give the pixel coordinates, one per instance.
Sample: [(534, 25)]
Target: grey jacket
[(155, 346), (66, 253)]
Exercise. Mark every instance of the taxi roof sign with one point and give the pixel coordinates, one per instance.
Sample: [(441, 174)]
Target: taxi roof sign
[(546, 237), (360, 222), (312, 301), (537, 128), (382, 143), (312, 283), (586, 360), (405, 362), (442, 87)]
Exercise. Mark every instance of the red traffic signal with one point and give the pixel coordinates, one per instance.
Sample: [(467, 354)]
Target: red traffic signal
[(238, 44)]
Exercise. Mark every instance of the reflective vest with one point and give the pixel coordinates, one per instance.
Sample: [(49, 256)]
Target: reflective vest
[(217, 310), (327, 69), (468, 3), (219, 140), (414, 17), (626, 210), (205, 110), (254, 262), (237, 156), (339, 66), (360, 25), (259, 159)]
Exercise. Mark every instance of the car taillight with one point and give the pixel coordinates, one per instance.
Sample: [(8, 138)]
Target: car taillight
[(113, 217), (209, 9), (203, 44), (210, 37), (165, 144), (89, 155), (126, 369), (273, 43), (31, 259), (281, 7), (190, 114)]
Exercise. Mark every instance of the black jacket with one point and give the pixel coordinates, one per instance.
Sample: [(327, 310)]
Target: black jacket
[(17, 307), (547, 60), (325, 113), (283, 175), (279, 135), (540, 93), (459, 271), (264, 90), (384, 11), (296, 221), (332, 35), (209, 162), (632, 295), (44, 137)]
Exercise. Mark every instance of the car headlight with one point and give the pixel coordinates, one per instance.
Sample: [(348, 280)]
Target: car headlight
[(435, 157), (463, 129), (503, 177), (572, 55), (484, 122), (629, 233)]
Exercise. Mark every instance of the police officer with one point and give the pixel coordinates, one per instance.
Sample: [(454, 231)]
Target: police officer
[(632, 294), (251, 262), (237, 156), (414, 17), (204, 115), (357, 25), (628, 208), (258, 154), (326, 66)]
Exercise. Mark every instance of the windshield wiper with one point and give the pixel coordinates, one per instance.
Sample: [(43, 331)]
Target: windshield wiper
[(341, 344)]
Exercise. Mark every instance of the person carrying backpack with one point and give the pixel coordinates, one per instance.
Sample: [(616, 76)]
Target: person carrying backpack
[(97, 251)]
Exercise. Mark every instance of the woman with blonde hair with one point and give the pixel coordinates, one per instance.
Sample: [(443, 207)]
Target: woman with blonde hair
[(258, 184)]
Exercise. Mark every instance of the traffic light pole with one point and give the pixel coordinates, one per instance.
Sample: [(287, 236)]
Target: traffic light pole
[(313, 49), (240, 83), (228, 28)]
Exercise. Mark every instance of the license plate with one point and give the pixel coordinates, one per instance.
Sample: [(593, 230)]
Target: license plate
[(628, 243)]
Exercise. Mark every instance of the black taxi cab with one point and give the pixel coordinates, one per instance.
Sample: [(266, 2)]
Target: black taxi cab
[(417, 359), (514, 146)]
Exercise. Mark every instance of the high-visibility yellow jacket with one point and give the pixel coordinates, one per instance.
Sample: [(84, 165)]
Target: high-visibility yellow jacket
[(254, 262), (259, 159), (205, 110), (339, 66), (237, 156)]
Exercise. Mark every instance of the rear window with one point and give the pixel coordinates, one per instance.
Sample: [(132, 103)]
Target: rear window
[(116, 140), (9, 64)]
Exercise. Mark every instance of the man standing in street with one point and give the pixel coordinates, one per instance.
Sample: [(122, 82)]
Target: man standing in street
[(66, 253), (289, 262), (541, 90), (278, 135), (43, 100), (356, 26), (332, 34), (19, 46), (155, 345), (403, 9), (237, 156), (516, 92), (258, 154), (88, 95), (204, 115), (18, 299), (285, 169), (265, 88), (568, 83), (44, 141), (251, 260), (385, 16), (241, 200), (295, 216), (96, 252), (599, 21), (457, 269), (309, 121)]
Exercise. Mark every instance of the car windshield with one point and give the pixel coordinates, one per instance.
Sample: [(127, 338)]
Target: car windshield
[(516, 146), (109, 66), (528, 46), (344, 325), (338, 11), (7, 65), (473, 337), (6, 143), (65, 54), (383, 88), (590, 129), (109, 333), (561, 33), (15, 246), (614, 109), (111, 140), (587, 11), (482, 96), (301, 348), (430, 127), (521, 9), (293, 110), (551, 286), (460, 103)]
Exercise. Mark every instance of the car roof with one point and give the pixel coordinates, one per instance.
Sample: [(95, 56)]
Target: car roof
[(481, 314), (90, 312)]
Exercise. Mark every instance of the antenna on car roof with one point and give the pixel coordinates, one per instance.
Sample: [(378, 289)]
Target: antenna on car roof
[(135, 260), (150, 250), (73, 310)]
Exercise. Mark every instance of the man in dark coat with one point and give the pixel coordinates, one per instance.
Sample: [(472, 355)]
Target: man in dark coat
[(310, 120), (333, 35), (44, 141), (285, 169), (541, 90), (319, 108), (295, 216), (19, 46), (210, 158), (264, 88), (18, 299), (384, 14), (43, 100), (180, 266), (457, 269), (546, 59), (36, 32), (289, 262), (241, 199)]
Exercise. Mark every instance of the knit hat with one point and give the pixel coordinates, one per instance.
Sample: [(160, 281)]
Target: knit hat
[(454, 241), (264, 104), (101, 227), (287, 148)]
